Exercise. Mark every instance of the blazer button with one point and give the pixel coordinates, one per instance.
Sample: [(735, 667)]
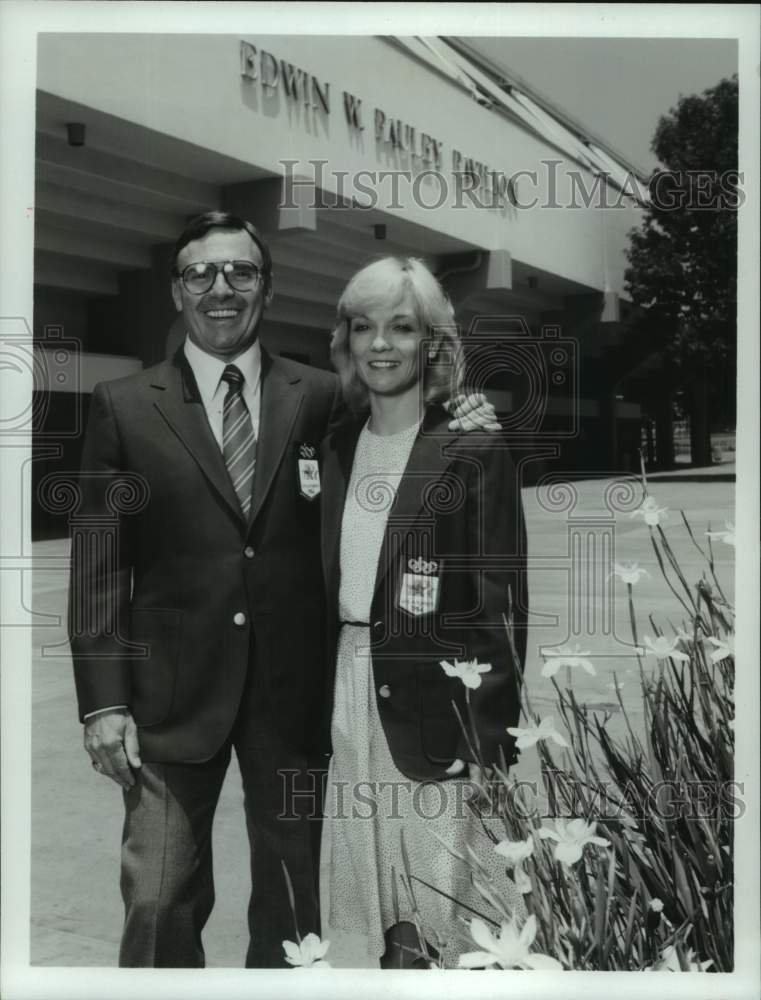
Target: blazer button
[(239, 619), (377, 626), (384, 691), (248, 552)]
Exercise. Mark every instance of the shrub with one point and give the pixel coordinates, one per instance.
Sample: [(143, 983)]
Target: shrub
[(636, 870)]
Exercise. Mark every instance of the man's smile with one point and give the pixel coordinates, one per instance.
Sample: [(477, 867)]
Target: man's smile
[(220, 313)]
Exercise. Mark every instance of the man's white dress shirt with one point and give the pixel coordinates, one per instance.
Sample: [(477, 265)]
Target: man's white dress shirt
[(208, 374)]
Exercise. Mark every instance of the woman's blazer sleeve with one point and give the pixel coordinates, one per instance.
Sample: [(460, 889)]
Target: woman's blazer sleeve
[(496, 543)]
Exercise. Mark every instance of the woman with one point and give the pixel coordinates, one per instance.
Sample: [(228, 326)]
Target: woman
[(423, 540)]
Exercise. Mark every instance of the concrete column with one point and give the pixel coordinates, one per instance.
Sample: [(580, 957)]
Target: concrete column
[(650, 452), (467, 275), (608, 443), (275, 205), (664, 429), (700, 436), (147, 310)]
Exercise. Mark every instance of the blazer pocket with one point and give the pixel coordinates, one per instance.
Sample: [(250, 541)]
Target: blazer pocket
[(439, 727), (154, 677)]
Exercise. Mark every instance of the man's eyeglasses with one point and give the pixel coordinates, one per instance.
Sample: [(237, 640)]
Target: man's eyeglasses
[(240, 275)]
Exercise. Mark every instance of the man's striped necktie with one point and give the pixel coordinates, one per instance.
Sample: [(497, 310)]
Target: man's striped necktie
[(238, 439)]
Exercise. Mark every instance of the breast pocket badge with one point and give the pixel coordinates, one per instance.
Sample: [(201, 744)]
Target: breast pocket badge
[(419, 589), (308, 470)]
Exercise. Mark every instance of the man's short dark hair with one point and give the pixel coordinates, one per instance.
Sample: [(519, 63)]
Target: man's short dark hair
[(198, 227)]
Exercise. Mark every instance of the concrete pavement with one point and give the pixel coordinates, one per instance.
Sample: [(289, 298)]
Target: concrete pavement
[(76, 816)]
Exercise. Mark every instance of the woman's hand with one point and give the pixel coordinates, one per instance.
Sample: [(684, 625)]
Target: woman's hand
[(476, 773), (472, 413), (480, 775), (456, 767)]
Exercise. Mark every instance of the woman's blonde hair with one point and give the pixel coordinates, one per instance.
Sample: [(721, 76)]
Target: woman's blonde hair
[(385, 282)]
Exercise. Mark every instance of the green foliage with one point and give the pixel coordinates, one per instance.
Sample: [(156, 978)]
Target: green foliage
[(660, 894), (683, 259)]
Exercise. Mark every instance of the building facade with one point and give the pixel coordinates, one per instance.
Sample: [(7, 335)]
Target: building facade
[(340, 149)]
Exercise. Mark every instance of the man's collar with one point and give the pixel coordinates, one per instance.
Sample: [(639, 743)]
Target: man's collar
[(208, 369)]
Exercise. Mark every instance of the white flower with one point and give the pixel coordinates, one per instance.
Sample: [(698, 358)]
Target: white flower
[(723, 648), (309, 954), (508, 950), (728, 536), (522, 881), (628, 572), (564, 656), (656, 905), (469, 671), (669, 962), (663, 648), (571, 836), (651, 513), (544, 731), (515, 851)]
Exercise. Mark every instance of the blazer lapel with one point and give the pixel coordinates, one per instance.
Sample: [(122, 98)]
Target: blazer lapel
[(281, 399), (181, 407), (428, 460)]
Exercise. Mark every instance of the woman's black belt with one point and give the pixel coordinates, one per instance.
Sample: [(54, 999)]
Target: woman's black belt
[(364, 624)]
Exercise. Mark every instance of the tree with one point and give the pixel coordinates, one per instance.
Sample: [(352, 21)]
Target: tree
[(683, 258)]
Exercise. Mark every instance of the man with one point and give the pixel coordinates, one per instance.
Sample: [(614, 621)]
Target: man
[(200, 629)]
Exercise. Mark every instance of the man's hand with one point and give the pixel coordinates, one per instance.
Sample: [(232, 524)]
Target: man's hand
[(472, 413), (111, 742)]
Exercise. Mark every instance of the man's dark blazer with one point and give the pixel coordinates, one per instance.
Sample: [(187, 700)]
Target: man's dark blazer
[(201, 591), (458, 506)]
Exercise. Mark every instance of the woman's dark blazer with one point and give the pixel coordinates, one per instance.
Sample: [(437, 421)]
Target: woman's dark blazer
[(457, 516)]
